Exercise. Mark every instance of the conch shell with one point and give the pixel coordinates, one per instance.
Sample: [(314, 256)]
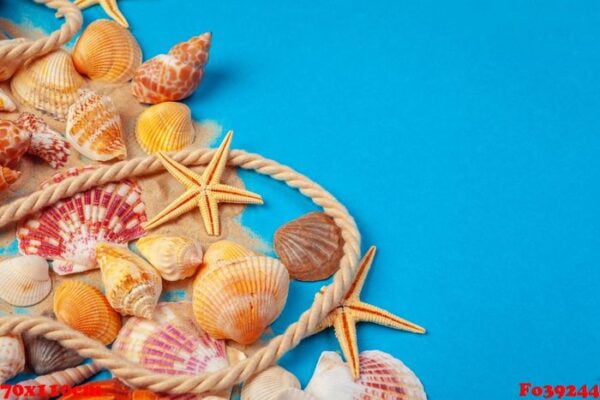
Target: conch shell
[(12, 357), (46, 143), (175, 257), (166, 126)]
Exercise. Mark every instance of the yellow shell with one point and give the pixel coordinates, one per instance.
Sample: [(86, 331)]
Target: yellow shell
[(175, 257), (107, 52), (239, 299), (268, 384), (165, 127), (132, 285), (224, 250), (49, 84), (83, 307)]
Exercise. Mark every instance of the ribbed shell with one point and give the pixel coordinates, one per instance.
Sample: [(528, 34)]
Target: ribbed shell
[(107, 52), (83, 307), (6, 103), (24, 280), (45, 355), (14, 142), (94, 127), (132, 285), (68, 231), (12, 357), (310, 247), (267, 385), (238, 300), (166, 126), (46, 143), (171, 342), (175, 257), (381, 377), (49, 84), (224, 250), (294, 394), (7, 177)]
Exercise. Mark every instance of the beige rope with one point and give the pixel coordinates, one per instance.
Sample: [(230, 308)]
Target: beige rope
[(277, 347)]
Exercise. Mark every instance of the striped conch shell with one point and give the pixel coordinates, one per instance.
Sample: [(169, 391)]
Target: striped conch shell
[(268, 384), (24, 280), (12, 357), (7, 177), (175, 257), (49, 83), (107, 52), (68, 377), (6, 103), (46, 143), (173, 76), (132, 285), (166, 126)]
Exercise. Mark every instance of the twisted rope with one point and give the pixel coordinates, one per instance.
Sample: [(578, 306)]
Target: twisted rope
[(222, 379)]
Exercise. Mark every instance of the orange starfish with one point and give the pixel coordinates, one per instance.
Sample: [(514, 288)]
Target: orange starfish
[(203, 191), (110, 7), (352, 310)]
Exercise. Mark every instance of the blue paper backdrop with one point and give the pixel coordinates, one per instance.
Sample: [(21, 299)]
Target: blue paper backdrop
[(464, 138)]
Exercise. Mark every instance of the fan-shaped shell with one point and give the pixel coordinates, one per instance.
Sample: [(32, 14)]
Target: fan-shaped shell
[(381, 377), (49, 83), (12, 357), (7, 177), (310, 247), (132, 285), (14, 142), (68, 231), (6, 103), (107, 52), (224, 251), (175, 257), (238, 300), (267, 385), (83, 307), (24, 281), (45, 355), (94, 127), (166, 126), (46, 143)]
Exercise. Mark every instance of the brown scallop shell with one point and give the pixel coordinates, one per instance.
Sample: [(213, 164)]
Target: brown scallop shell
[(45, 355)]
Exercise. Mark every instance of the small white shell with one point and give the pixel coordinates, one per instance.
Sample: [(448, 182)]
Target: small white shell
[(267, 384), (24, 280), (12, 357)]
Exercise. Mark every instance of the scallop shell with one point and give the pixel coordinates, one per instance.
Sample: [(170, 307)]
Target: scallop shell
[(14, 142), (132, 285), (45, 355), (46, 143), (94, 127), (7, 177), (83, 307), (381, 377), (6, 103), (165, 127), (267, 385), (107, 52), (24, 281), (310, 247), (49, 84), (68, 231), (175, 257), (68, 377), (294, 394), (12, 357), (224, 250), (239, 299), (173, 76)]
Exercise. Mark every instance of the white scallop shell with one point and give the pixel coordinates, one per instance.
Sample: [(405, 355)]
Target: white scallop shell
[(24, 280)]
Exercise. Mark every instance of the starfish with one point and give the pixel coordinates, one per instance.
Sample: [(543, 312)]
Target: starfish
[(110, 7), (352, 310), (203, 191)]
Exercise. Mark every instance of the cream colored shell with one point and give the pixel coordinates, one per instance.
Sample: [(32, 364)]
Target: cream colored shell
[(175, 257), (12, 357), (267, 385), (165, 127), (24, 280)]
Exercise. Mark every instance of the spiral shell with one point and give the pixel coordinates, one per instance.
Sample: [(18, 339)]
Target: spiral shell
[(7, 177), (14, 142), (107, 52), (132, 285), (166, 126), (84, 308), (6, 103), (267, 385), (175, 257), (24, 281), (49, 83), (12, 357), (239, 299), (310, 247), (45, 355)]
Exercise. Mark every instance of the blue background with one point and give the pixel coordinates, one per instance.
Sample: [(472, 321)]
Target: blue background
[(463, 137)]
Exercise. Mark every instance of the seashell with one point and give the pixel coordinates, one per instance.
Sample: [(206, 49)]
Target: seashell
[(94, 127), (12, 357), (14, 142), (239, 299), (294, 394), (224, 251), (171, 342), (175, 257), (7, 177), (132, 285), (24, 280), (111, 389), (83, 307), (6, 103), (68, 231), (49, 83), (267, 385), (173, 76), (381, 377), (46, 143), (45, 355), (107, 52), (310, 247), (69, 377), (166, 126)]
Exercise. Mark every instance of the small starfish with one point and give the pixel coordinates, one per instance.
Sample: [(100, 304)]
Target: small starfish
[(203, 191), (352, 310), (110, 7)]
